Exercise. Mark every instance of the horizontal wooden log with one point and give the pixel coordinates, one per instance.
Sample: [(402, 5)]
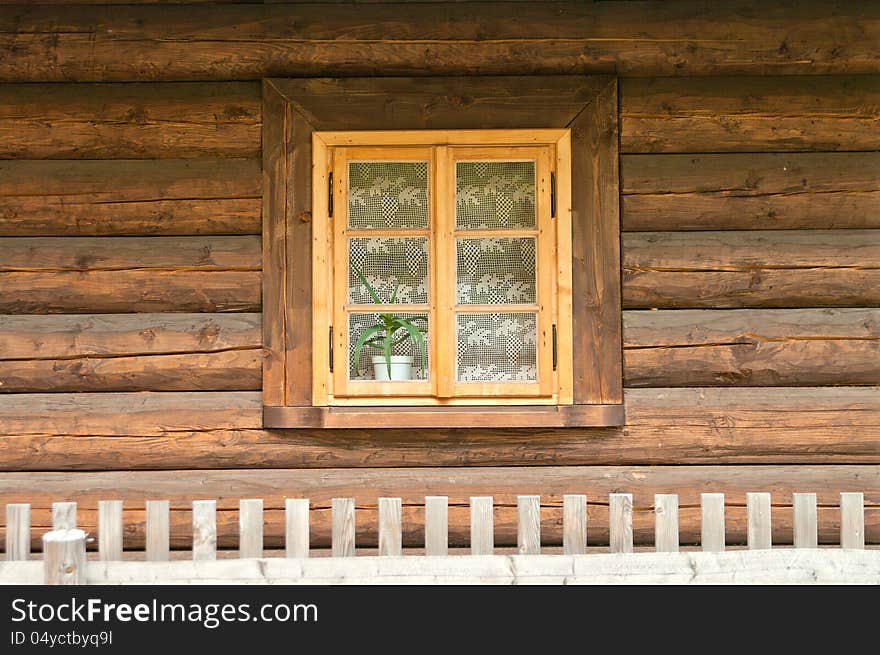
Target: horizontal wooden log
[(132, 352), (366, 486), (807, 347), (223, 430), (772, 268), (141, 121), (750, 114), (750, 191), (253, 41), (130, 197)]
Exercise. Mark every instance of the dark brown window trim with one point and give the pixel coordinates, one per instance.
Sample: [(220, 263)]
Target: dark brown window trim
[(294, 108)]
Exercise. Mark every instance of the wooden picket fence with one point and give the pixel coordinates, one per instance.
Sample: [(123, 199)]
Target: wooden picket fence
[(65, 561)]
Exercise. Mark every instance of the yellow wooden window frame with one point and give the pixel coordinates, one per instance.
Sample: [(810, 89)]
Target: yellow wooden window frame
[(551, 151)]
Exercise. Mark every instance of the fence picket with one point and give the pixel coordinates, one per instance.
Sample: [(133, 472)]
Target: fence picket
[(436, 525), (806, 527), (852, 520), (18, 532), (64, 557), (63, 516), (158, 532), (758, 531), (482, 526), (110, 530), (666, 523), (574, 524), (250, 526), (390, 527), (204, 525), (620, 523), (342, 510), (528, 533), (712, 533), (296, 516)]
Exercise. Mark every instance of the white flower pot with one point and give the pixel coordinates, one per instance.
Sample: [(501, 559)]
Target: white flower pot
[(401, 367)]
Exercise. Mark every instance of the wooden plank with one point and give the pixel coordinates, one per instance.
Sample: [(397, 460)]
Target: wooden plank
[(157, 530), (250, 522), (528, 525), (110, 530), (774, 268), (666, 523), (390, 527), (712, 522), (173, 42), (204, 527), (211, 430), (18, 532), (482, 525), (296, 536), (620, 523), (852, 520), (751, 347), (142, 121), (63, 516), (574, 524), (806, 526), (758, 512), (596, 252), (752, 191), (749, 114), (64, 557), (436, 526), (130, 197), (459, 484), (344, 529)]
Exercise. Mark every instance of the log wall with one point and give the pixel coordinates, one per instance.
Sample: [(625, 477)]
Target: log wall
[(130, 258)]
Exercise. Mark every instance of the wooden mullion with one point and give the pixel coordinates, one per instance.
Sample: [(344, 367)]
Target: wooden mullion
[(544, 273), (340, 271), (444, 288)]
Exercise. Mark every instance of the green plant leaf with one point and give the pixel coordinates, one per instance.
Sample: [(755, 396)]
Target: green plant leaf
[(365, 335), (373, 293), (393, 298), (416, 335)]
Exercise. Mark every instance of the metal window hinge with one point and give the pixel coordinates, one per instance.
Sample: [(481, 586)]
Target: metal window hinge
[(554, 347), (330, 347), (330, 194), (552, 195)]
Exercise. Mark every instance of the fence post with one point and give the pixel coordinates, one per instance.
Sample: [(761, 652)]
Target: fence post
[(342, 510), (18, 532), (574, 524), (296, 538), (63, 516), (712, 537), (528, 533), (250, 527), (436, 525), (806, 532), (204, 526), (64, 557), (758, 516), (482, 526), (852, 520), (110, 530), (620, 516), (158, 534), (666, 523), (390, 528)]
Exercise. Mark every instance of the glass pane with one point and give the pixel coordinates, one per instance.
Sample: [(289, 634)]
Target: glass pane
[(362, 365), (384, 195), (497, 347), (388, 263), (495, 195), (495, 271)]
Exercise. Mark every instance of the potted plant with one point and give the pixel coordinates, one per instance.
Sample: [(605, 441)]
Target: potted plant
[(390, 331)]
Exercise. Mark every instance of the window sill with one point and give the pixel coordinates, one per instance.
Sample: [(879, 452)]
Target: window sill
[(490, 416)]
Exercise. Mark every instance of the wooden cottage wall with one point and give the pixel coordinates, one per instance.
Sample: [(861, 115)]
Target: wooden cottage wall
[(130, 264)]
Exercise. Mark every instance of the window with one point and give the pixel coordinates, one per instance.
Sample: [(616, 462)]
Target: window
[(445, 251), (441, 252)]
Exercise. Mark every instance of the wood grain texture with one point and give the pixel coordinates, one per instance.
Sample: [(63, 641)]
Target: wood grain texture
[(63, 515), (296, 535), (482, 525), (852, 520), (157, 530), (138, 121), (620, 522), (713, 536), (459, 484), (806, 526), (666, 523), (250, 527), (750, 113), (204, 527), (754, 191), (64, 557), (175, 42), (18, 532), (574, 524), (130, 197), (436, 526), (772, 268), (390, 528), (344, 527), (528, 525), (110, 530), (758, 509), (751, 347), (178, 430)]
